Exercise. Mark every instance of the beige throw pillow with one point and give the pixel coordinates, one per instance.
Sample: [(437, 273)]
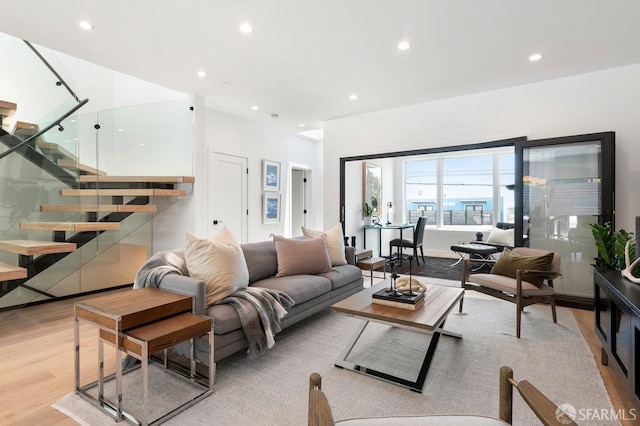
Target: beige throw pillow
[(298, 257), (219, 263), (335, 243)]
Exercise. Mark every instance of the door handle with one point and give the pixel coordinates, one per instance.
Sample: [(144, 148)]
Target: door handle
[(215, 222)]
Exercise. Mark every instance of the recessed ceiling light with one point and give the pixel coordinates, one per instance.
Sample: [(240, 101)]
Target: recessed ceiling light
[(202, 74), (353, 96), (404, 45), (535, 57), (246, 28), (255, 107), (121, 130), (300, 125), (85, 25)]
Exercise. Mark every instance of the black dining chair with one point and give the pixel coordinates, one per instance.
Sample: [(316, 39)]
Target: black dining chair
[(418, 236)]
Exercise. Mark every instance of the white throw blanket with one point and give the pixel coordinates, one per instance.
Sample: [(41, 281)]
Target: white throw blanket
[(260, 309)]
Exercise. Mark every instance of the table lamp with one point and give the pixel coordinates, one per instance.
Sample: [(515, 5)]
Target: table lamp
[(389, 212)]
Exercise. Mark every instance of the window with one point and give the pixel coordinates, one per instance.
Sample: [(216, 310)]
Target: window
[(467, 190), (421, 189), (473, 189)]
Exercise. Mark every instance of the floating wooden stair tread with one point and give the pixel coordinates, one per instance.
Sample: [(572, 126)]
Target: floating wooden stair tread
[(21, 125), (7, 108), (32, 248), (11, 272), (54, 149), (119, 208), (141, 179), (123, 192), (71, 226), (80, 168)]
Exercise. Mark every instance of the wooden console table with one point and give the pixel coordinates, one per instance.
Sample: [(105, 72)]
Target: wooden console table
[(617, 324), (139, 323)]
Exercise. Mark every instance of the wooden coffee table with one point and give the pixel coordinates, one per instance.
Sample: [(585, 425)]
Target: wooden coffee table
[(428, 319)]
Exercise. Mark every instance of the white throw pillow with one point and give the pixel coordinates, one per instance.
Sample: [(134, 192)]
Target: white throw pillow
[(335, 243), (501, 236), (219, 263)]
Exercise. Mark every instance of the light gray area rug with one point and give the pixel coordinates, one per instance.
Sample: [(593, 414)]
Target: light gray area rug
[(463, 378)]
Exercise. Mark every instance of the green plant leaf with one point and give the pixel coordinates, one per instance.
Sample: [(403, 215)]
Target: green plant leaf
[(621, 238), (605, 242)]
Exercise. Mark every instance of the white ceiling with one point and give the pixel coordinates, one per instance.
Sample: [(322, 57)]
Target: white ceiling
[(305, 57)]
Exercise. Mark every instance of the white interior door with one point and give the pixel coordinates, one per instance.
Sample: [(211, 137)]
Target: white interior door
[(298, 204), (227, 204)]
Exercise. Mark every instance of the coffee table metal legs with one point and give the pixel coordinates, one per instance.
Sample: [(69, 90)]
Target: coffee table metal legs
[(415, 386)]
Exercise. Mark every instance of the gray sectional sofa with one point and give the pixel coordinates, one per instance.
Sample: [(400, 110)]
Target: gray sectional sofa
[(311, 294)]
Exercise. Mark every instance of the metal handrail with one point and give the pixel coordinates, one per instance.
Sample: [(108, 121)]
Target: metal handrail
[(60, 79), (45, 130)]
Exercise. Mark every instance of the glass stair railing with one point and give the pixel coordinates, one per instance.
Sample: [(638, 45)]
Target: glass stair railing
[(78, 199)]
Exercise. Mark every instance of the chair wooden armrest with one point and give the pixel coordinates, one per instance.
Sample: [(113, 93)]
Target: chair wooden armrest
[(549, 275), (319, 409), (541, 406)]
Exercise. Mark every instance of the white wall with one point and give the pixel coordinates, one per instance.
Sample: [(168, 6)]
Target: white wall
[(228, 134), (232, 135), (601, 101)]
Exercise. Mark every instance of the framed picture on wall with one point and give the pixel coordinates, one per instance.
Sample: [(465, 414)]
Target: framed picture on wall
[(271, 208), (270, 176)]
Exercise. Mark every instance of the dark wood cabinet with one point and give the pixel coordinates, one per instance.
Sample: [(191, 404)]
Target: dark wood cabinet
[(617, 324)]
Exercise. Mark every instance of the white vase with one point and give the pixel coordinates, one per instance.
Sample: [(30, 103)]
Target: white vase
[(367, 221)]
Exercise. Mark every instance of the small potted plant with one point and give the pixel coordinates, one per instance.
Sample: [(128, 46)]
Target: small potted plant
[(367, 212)]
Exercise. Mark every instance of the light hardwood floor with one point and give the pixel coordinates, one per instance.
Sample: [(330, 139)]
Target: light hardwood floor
[(36, 362)]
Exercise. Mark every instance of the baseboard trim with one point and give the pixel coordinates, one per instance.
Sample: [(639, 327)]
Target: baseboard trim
[(577, 302)]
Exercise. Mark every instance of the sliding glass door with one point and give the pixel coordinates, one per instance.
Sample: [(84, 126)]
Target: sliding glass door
[(565, 184)]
